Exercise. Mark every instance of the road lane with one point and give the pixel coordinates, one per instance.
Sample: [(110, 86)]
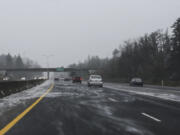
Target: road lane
[(21, 115), (74, 109)]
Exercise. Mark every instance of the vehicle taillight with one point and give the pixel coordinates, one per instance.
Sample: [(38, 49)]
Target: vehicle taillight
[(81, 78)]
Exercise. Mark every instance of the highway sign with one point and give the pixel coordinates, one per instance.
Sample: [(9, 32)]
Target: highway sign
[(61, 69)]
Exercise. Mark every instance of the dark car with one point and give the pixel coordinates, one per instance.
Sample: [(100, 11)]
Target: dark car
[(77, 79), (67, 79), (136, 82), (56, 79)]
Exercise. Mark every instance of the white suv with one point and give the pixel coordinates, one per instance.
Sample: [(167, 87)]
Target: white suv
[(95, 80)]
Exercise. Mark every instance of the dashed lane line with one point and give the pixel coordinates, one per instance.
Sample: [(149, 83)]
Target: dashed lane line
[(151, 117), (113, 100)]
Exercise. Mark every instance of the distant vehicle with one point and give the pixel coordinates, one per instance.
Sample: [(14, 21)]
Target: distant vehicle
[(77, 79), (61, 78), (5, 78), (136, 82), (67, 79), (23, 78), (41, 77), (95, 80), (56, 79)]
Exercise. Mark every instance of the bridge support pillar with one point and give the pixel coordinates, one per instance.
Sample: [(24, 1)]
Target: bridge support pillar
[(48, 75)]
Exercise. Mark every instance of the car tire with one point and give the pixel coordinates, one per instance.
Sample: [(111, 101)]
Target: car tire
[(89, 85)]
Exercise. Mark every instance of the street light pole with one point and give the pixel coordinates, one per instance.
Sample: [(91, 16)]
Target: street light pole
[(47, 62)]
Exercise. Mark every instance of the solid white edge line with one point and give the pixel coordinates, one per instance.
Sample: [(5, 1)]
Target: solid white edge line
[(149, 116), (113, 100)]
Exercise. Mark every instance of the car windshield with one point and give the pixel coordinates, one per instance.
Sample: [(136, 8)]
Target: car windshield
[(89, 67), (95, 77), (138, 80)]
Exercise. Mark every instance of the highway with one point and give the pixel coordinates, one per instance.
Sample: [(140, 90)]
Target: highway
[(75, 109)]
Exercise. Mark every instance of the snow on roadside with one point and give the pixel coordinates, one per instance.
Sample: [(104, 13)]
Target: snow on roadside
[(21, 97), (172, 96)]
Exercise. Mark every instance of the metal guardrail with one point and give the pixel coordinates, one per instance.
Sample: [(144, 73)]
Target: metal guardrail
[(10, 87)]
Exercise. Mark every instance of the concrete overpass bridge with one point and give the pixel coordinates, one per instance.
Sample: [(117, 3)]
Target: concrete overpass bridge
[(48, 70), (42, 69)]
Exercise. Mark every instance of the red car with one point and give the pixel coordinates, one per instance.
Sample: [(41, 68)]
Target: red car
[(77, 79)]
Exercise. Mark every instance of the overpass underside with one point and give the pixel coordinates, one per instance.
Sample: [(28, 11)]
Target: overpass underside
[(41, 69)]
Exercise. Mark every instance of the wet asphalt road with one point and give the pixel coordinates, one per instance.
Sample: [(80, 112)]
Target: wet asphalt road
[(74, 109)]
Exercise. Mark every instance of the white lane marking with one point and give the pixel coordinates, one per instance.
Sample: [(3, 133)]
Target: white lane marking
[(149, 116), (113, 100)]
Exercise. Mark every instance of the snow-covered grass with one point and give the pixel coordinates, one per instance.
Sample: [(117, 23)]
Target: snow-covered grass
[(153, 92), (21, 97)]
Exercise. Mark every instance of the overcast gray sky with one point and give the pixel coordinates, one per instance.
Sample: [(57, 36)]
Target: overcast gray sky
[(73, 29)]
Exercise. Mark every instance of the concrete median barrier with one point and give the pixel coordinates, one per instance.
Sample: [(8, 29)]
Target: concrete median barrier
[(10, 87)]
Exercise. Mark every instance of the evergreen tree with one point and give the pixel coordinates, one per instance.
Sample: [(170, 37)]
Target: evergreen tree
[(19, 63), (9, 61), (175, 53)]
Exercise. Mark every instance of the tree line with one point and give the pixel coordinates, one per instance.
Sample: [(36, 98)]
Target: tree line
[(153, 57), (16, 61)]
